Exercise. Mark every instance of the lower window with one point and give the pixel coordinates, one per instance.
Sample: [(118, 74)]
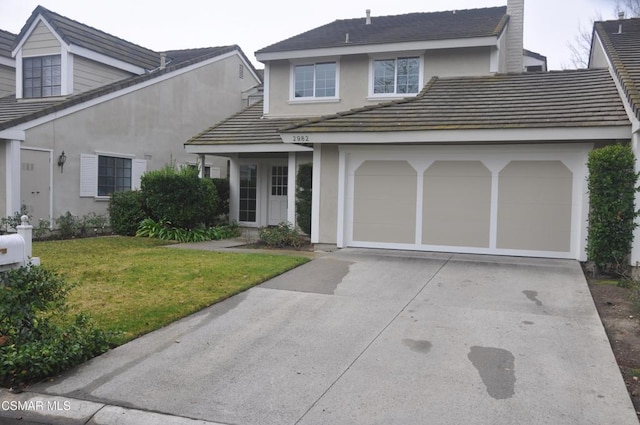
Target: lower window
[(114, 175)]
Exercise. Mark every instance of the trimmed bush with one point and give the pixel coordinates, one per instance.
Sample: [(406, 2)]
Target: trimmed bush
[(179, 197), (280, 236), (303, 197), (126, 212), (222, 189), (612, 187), (33, 343)]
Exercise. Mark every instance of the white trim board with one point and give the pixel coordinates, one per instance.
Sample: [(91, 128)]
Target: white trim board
[(245, 148)]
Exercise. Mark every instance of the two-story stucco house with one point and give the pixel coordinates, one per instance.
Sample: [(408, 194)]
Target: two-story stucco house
[(424, 133), (90, 112)]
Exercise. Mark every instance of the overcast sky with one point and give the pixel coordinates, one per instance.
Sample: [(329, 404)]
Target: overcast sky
[(550, 25)]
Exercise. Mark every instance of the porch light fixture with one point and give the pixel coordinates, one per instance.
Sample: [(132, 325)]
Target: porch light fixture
[(61, 160)]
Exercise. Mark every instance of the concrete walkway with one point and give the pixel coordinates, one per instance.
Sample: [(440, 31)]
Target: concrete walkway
[(364, 337)]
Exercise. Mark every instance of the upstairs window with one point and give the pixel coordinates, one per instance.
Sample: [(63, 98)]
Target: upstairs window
[(315, 80), (396, 76), (42, 76)]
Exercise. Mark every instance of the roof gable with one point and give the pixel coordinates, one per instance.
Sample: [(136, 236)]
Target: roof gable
[(623, 50), (398, 28), (77, 34)]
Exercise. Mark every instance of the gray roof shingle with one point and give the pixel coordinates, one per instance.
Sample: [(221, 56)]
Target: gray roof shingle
[(399, 28), (246, 127), (76, 33), (584, 98), (14, 112), (623, 50), (7, 40)]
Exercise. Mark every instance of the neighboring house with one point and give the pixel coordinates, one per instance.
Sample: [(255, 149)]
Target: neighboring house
[(533, 62), (7, 64), (616, 46), (91, 112), (424, 133)]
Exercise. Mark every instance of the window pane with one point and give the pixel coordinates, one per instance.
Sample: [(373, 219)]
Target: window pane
[(42, 76), (325, 79), (114, 174), (304, 81), (408, 75), (384, 76)]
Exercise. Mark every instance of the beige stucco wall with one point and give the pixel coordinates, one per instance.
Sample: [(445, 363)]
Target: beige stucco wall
[(354, 73), (457, 62), (41, 42), (88, 74), (598, 56), (328, 217), (151, 123), (7, 80)]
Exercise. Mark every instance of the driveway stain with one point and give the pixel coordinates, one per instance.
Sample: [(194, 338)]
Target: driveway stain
[(527, 322), (533, 297), (419, 345), (497, 370)]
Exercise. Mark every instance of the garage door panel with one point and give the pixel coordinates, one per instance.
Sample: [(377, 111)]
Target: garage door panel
[(534, 206), (385, 202), (457, 204)]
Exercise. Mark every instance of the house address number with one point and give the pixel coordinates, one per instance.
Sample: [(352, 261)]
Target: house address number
[(300, 138)]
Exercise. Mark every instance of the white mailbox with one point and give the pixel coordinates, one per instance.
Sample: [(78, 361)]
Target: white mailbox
[(12, 252)]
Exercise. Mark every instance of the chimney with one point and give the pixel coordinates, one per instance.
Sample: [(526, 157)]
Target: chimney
[(368, 21), (515, 35), (163, 60), (620, 17)]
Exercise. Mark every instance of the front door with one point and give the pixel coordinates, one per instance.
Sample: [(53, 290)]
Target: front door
[(278, 194), (35, 173)]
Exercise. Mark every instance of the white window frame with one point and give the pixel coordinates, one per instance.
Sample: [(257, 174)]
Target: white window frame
[(395, 57), (314, 98), (89, 173)]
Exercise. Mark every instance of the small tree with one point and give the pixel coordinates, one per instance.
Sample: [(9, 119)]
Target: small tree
[(303, 197), (612, 187)]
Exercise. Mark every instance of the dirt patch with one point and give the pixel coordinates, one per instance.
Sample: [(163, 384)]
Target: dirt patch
[(622, 324)]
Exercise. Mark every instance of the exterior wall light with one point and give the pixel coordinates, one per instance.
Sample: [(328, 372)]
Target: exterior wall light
[(61, 160)]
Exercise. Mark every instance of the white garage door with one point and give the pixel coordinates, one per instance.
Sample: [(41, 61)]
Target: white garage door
[(511, 200)]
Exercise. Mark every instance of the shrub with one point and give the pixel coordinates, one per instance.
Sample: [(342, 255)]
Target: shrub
[(612, 187), (222, 189), (12, 222), (165, 231), (68, 225), (126, 212), (303, 197), (280, 236), (34, 345), (179, 197)]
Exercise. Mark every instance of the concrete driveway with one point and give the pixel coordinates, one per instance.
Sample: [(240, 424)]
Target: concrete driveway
[(367, 337)]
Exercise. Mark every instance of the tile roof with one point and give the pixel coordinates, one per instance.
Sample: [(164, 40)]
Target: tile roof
[(6, 43), (583, 98), (247, 127), (399, 28), (76, 33), (14, 112), (623, 50)]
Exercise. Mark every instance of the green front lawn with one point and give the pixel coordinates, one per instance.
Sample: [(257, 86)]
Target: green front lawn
[(136, 285)]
